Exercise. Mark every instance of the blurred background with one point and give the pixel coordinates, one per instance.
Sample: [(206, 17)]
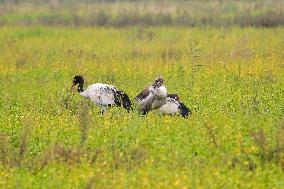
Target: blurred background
[(120, 13)]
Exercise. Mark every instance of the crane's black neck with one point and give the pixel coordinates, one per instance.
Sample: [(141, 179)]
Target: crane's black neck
[(80, 81), (80, 86)]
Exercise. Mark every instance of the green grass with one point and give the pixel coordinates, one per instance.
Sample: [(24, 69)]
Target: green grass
[(235, 90)]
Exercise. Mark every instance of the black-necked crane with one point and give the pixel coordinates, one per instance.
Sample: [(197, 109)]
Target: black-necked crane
[(152, 97), (103, 95), (174, 106)]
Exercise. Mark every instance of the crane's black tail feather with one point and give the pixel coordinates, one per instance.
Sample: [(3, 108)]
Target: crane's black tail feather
[(126, 102), (122, 99), (184, 111)]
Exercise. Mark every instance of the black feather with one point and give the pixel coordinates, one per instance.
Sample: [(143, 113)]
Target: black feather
[(184, 111), (126, 102), (121, 98)]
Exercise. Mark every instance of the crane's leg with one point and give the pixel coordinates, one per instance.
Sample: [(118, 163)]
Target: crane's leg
[(103, 109)]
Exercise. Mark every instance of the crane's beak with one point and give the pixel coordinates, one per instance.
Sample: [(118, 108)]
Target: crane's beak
[(158, 82), (72, 87)]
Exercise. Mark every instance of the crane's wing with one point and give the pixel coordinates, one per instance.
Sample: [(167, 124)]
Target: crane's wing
[(102, 94), (143, 94)]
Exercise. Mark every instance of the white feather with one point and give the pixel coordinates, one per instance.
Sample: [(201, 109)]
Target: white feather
[(145, 101), (159, 92), (160, 95), (170, 107), (99, 93), (155, 99)]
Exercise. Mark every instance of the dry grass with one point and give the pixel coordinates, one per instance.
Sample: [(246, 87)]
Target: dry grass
[(264, 13)]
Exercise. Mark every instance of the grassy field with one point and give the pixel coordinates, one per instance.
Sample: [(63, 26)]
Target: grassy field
[(232, 79), (119, 13)]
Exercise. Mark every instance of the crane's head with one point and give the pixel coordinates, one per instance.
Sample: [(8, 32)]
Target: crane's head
[(77, 80), (173, 96), (158, 82)]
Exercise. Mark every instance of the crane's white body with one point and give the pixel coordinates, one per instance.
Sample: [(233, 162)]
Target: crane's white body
[(153, 99), (170, 107), (174, 106), (100, 94), (159, 95)]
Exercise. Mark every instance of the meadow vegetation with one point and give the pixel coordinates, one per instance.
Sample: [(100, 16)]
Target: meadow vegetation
[(117, 13), (231, 78)]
